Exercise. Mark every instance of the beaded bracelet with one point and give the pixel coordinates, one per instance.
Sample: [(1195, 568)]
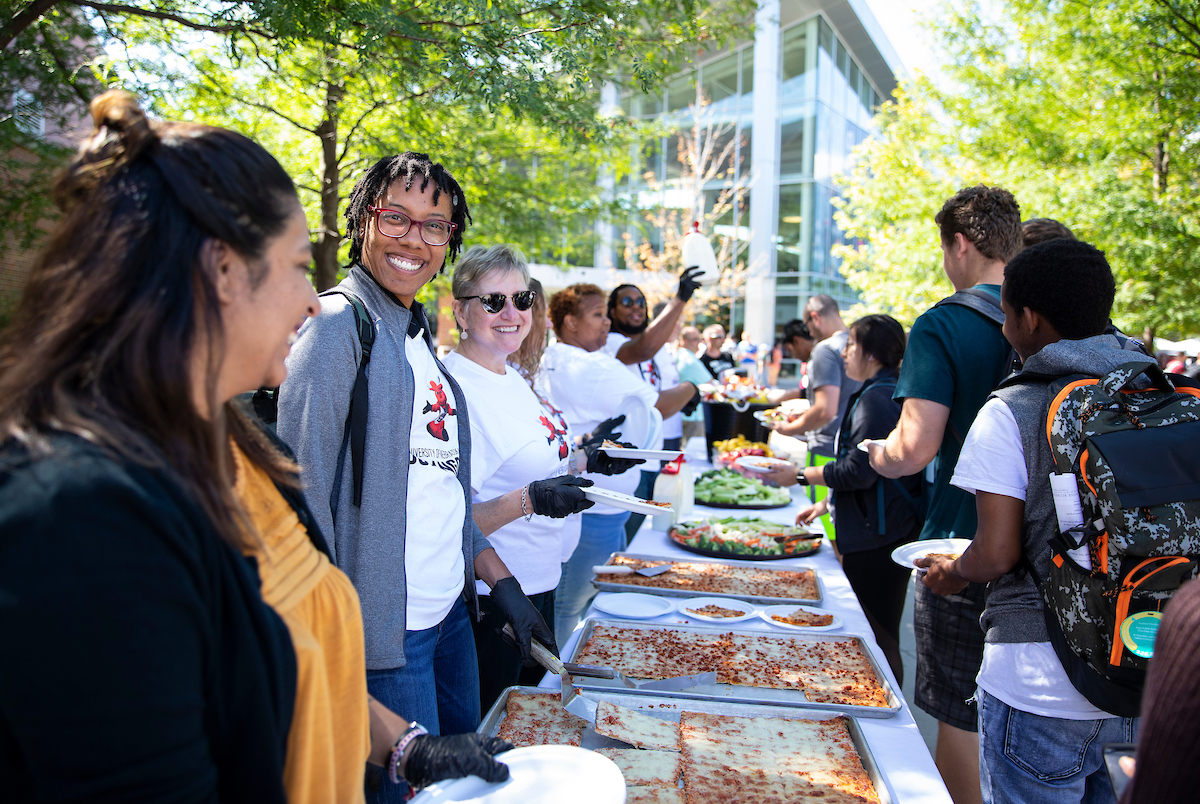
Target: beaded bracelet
[(415, 730)]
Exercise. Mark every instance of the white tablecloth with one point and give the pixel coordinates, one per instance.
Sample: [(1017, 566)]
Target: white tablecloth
[(895, 742)]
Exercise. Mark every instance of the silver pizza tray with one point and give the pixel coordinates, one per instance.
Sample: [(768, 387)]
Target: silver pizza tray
[(667, 708), (765, 696), (610, 586)]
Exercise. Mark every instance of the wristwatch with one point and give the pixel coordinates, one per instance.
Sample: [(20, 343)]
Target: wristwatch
[(801, 480)]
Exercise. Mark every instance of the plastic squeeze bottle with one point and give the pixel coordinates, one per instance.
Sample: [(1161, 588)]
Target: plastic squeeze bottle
[(674, 485), (698, 251)]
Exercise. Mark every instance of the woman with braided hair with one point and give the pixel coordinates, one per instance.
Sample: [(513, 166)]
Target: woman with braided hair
[(173, 626)]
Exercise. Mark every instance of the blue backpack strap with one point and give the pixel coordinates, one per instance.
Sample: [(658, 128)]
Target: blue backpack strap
[(355, 433)]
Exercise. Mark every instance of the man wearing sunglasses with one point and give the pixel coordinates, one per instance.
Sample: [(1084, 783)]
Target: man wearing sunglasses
[(640, 343)]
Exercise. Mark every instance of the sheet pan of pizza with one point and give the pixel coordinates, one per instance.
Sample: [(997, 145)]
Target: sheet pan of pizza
[(808, 670), (749, 751), (744, 580)]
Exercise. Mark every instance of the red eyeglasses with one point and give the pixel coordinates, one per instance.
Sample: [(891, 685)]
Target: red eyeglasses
[(394, 223)]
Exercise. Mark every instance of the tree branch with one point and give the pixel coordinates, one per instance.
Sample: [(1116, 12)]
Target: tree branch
[(31, 14), (134, 11)]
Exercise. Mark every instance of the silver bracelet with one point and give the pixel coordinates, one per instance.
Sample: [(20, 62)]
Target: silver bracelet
[(528, 514)]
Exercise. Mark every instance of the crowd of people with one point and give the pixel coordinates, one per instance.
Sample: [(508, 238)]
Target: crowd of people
[(224, 611)]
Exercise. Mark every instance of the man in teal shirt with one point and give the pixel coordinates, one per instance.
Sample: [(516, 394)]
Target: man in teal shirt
[(955, 357)]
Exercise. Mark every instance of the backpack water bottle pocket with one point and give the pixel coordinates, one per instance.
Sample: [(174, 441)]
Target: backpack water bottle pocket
[(1144, 590)]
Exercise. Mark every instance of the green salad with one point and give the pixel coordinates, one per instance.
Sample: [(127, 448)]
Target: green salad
[(728, 487), (745, 536)]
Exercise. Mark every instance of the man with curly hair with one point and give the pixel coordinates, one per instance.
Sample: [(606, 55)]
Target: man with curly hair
[(956, 355)]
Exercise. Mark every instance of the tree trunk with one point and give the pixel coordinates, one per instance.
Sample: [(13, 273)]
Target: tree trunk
[(1162, 167), (329, 237)]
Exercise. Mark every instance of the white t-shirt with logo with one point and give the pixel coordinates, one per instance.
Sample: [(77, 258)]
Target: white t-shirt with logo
[(433, 556), (590, 387), (516, 438), (659, 372), (1025, 675)]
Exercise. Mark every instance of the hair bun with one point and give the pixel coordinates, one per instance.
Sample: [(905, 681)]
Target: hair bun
[(122, 132)]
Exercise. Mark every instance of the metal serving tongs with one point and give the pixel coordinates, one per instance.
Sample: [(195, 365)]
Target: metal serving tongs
[(582, 707)]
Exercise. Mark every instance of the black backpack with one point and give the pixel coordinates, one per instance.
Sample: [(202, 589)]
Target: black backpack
[(266, 402)]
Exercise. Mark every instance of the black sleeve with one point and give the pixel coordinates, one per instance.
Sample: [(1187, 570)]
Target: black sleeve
[(107, 643), (874, 417)]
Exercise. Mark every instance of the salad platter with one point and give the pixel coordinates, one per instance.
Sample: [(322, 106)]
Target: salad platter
[(747, 538), (725, 488)]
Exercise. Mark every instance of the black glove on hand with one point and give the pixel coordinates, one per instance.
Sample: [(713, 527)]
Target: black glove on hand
[(602, 463), (431, 759), (559, 497), (688, 282), (523, 617), (606, 429), (692, 404)]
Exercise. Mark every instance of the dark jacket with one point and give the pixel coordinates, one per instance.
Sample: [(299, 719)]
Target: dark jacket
[(139, 662), (856, 488)]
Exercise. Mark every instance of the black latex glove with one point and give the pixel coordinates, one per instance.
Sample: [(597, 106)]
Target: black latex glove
[(692, 404), (559, 497), (431, 759), (523, 617), (606, 429), (688, 282), (602, 463)]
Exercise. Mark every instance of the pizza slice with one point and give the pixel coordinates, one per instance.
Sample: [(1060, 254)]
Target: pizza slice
[(654, 795), (653, 768), (636, 728)]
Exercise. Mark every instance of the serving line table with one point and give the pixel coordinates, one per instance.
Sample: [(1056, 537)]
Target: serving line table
[(897, 745)]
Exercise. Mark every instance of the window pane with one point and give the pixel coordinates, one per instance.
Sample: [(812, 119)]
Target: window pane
[(794, 47), (681, 92), (651, 161), (649, 104), (746, 133), (719, 79), (747, 76), (671, 163)]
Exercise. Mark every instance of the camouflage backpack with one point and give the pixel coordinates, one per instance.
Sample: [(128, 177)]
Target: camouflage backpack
[(1133, 454)]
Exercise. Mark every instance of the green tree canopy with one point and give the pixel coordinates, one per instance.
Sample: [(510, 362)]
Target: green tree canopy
[(1088, 113)]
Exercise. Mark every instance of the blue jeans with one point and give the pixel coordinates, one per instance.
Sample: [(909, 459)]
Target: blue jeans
[(599, 536), (1026, 758), (438, 686)]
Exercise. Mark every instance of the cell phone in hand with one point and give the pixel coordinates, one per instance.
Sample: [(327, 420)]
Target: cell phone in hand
[(1113, 753)]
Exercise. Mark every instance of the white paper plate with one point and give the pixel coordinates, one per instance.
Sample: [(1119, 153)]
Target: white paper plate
[(787, 608), (538, 773), (752, 463), (863, 444), (906, 554), (634, 605), (748, 610), (762, 416), (643, 422), (648, 454), (623, 501)]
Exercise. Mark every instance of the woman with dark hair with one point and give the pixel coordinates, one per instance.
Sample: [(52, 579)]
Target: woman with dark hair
[(590, 387), (131, 485), (395, 496), (873, 515)]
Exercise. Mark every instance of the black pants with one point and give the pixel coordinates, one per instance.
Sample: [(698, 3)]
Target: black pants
[(500, 663), (645, 491), (881, 585)]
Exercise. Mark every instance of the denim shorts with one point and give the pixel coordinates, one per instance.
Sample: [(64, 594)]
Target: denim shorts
[(1029, 758)]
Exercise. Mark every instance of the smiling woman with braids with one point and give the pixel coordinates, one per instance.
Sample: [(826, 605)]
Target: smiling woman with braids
[(145, 658)]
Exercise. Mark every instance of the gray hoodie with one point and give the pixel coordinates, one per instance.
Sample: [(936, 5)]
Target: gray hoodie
[(1014, 611), (367, 543)]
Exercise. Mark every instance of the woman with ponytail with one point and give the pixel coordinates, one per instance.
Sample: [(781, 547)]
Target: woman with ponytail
[(166, 602)]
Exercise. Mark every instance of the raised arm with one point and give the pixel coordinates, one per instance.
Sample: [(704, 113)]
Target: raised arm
[(915, 441)]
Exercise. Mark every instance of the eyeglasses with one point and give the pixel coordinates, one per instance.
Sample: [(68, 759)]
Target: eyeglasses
[(394, 223), (494, 302), (633, 301)]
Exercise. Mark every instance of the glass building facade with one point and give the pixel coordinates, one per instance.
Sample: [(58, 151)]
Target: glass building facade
[(823, 104)]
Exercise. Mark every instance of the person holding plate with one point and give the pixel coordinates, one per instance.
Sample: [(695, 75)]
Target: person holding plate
[(521, 449), (873, 515), (591, 386)]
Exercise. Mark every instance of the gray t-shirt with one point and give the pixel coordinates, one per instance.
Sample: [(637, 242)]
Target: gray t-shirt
[(826, 367)]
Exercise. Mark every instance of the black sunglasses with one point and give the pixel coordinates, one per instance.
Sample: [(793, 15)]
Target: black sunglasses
[(494, 302), (633, 301)]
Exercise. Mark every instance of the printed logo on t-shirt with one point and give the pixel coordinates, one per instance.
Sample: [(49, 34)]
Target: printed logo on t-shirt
[(445, 459), (650, 373), (555, 432), (441, 407)]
